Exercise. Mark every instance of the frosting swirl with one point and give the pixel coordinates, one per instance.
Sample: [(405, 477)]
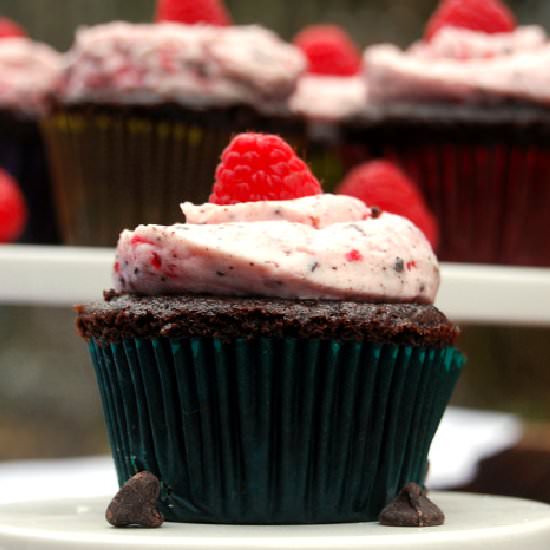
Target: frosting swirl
[(190, 64), (29, 73), (329, 97), (462, 65), (347, 251)]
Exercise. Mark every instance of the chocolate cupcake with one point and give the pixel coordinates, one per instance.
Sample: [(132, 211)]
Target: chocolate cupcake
[(145, 111), (274, 361), (464, 112), (28, 75), (332, 92)]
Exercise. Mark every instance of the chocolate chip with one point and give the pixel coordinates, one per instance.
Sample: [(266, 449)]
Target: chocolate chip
[(375, 212), (136, 503), (411, 508), (108, 295), (314, 266), (399, 265)]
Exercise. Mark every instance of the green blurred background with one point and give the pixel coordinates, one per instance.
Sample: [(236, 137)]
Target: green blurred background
[(49, 406), (369, 21)]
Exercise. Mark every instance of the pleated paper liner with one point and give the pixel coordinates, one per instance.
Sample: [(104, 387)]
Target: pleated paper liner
[(22, 154), (273, 430), (486, 183), (118, 166)]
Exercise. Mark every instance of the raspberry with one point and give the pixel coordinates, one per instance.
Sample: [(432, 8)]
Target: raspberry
[(382, 184), (191, 12), (9, 29), (489, 16), (261, 167), (329, 50), (13, 211)]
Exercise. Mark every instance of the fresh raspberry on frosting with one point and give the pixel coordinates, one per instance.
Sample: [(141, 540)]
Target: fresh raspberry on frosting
[(329, 50), (13, 211), (382, 184), (10, 29), (489, 16), (261, 167), (191, 12)]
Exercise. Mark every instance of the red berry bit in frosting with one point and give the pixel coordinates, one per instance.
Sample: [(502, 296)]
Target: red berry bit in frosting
[(192, 12), (354, 256), (10, 29), (137, 240), (261, 167), (13, 210), (329, 51), (156, 261), (489, 16), (382, 184)]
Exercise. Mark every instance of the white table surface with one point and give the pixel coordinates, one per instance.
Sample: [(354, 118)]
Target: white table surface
[(473, 522)]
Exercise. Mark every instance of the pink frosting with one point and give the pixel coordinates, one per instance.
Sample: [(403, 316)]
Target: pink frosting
[(29, 73), (462, 65), (463, 44), (121, 62), (368, 257), (317, 211), (328, 98)]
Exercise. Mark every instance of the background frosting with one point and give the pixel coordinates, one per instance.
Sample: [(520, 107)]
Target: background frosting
[(462, 65), (29, 73), (122, 62)]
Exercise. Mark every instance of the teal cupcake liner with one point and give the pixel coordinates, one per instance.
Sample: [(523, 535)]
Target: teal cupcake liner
[(273, 430)]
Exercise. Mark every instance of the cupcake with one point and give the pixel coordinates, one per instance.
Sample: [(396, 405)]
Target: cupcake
[(145, 109), (465, 114), (277, 358), (28, 76), (329, 93)]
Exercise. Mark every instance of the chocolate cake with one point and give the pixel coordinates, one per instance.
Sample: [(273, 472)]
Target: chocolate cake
[(277, 358), (133, 316)]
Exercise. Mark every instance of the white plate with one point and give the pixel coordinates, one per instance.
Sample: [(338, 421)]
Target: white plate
[(474, 522)]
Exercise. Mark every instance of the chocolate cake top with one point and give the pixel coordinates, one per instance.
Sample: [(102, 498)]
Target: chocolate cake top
[(186, 316)]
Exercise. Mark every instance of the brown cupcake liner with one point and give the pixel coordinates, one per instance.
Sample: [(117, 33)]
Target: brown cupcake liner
[(119, 166)]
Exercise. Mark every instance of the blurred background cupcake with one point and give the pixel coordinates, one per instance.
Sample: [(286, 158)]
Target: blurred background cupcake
[(331, 92), (465, 113), (28, 75), (144, 111)]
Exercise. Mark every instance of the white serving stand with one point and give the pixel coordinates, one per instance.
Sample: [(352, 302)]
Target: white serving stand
[(469, 293), (473, 522)]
